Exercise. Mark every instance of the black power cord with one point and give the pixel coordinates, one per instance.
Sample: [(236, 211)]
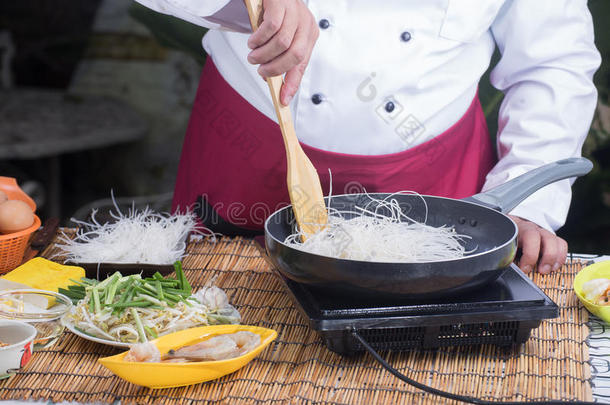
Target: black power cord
[(449, 395)]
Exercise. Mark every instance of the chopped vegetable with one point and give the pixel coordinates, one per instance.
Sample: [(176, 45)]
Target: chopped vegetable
[(134, 309)]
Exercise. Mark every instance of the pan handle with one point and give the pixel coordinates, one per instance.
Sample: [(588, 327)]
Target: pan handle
[(507, 196)]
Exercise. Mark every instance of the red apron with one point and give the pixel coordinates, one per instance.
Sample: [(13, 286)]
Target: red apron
[(233, 156)]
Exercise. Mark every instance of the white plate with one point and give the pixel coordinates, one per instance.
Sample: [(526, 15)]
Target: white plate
[(70, 326)]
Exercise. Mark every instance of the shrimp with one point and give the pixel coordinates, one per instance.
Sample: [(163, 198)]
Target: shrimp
[(215, 348), (219, 347), (245, 341), (143, 352)]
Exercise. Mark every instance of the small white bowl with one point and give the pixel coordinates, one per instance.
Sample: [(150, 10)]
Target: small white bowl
[(19, 337)]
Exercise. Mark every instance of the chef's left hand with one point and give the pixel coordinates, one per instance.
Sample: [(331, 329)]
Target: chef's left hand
[(539, 246)]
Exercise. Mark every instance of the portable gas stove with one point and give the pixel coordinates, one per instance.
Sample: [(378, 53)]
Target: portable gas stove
[(501, 313)]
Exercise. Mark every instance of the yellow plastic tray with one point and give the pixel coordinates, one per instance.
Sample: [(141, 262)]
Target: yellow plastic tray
[(167, 375), (597, 270)]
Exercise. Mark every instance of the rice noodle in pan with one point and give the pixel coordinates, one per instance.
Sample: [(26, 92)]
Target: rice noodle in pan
[(381, 231)]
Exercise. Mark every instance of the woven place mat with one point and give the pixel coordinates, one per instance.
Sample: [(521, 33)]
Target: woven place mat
[(298, 368)]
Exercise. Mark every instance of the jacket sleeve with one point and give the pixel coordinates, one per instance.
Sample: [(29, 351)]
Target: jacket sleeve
[(546, 69), (228, 15)]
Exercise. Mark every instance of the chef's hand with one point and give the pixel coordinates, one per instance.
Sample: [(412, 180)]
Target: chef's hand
[(539, 246), (283, 43)]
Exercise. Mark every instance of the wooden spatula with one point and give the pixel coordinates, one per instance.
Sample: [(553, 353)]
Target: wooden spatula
[(303, 182)]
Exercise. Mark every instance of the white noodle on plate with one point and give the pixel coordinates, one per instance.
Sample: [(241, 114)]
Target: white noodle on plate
[(140, 236)]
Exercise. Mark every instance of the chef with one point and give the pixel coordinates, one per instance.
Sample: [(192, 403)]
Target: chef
[(384, 94)]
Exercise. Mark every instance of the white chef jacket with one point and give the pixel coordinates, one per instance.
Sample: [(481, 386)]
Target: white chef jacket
[(386, 76)]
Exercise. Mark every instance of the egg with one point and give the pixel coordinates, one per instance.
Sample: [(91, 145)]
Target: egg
[(15, 215), (3, 197)]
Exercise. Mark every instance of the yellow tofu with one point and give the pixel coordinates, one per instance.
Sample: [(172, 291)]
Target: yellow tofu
[(45, 274)]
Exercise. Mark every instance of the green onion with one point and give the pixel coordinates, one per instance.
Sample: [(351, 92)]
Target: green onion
[(181, 277), (96, 300), (150, 299), (117, 293), (150, 288), (109, 280), (137, 303), (112, 291), (74, 296), (145, 291), (159, 290), (171, 297), (151, 332), (139, 325), (126, 288), (178, 270), (84, 282)]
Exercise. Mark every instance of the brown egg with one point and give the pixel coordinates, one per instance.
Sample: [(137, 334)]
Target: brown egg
[(15, 215), (3, 197)]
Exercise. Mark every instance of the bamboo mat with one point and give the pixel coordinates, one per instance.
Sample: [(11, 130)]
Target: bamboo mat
[(297, 367)]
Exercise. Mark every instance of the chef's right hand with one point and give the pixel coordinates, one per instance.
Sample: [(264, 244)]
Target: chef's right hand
[(283, 43)]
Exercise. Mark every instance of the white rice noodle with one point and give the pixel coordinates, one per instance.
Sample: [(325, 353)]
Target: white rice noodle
[(140, 236), (381, 232)]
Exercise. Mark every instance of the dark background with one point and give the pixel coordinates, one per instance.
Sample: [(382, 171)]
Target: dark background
[(52, 37)]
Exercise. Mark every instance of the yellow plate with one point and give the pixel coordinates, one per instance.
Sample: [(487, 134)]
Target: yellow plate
[(597, 270), (167, 375)]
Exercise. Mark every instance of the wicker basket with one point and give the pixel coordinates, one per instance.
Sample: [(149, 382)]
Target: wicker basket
[(13, 245)]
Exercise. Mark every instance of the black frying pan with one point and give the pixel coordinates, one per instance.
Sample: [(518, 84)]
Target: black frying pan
[(494, 235)]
